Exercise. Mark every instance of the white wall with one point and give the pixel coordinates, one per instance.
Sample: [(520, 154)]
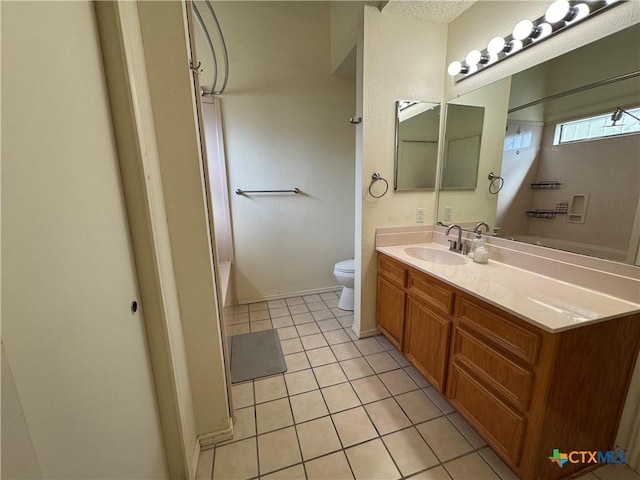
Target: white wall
[(402, 58), (286, 124), (78, 356)]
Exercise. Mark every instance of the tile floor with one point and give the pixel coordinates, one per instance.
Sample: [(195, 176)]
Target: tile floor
[(345, 409)]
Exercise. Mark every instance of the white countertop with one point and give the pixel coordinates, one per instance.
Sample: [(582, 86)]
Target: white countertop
[(542, 301)]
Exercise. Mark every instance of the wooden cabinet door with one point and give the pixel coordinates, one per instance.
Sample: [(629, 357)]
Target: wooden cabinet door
[(390, 312), (427, 342)]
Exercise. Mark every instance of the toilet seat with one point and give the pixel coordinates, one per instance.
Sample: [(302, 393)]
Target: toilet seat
[(346, 266)]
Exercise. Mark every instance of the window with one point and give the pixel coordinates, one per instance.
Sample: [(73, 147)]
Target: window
[(601, 126)]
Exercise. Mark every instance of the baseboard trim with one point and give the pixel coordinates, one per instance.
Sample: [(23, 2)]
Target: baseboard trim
[(195, 458), (266, 298), (209, 440), (368, 333)]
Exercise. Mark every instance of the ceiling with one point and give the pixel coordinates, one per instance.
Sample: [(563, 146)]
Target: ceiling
[(438, 11)]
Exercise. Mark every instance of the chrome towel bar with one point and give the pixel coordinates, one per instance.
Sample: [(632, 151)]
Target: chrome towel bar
[(243, 192)]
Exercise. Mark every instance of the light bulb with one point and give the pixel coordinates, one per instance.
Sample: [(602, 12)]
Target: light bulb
[(496, 45), (473, 57), (455, 68), (557, 11), (492, 58), (515, 46), (523, 30), (580, 11), (544, 30)]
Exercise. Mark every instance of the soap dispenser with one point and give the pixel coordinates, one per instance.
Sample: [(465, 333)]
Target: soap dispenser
[(480, 252)]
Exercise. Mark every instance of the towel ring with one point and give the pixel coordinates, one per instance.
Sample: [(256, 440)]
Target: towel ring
[(374, 178), (494, 179)]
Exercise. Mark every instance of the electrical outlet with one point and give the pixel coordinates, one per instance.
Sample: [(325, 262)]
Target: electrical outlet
[(448, 213), (420, 215)]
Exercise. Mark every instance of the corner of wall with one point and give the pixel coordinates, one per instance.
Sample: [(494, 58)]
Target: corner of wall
[(402, 58)]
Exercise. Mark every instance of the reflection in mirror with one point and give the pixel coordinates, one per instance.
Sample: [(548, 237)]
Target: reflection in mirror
[(417, 132), (570, 159), (463, 136)]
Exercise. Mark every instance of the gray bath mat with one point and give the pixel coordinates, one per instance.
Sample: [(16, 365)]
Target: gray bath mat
[(255, 355)]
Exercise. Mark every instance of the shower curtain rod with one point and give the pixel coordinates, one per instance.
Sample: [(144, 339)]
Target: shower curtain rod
[(225, 54), (209, 42), (582, 88)]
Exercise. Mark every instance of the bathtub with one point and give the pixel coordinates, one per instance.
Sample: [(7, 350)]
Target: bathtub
[(575, 247)]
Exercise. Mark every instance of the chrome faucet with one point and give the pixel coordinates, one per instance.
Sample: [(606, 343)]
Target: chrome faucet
[(481, 224), (454, 245)]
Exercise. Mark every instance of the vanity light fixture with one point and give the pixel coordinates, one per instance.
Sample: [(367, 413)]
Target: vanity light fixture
[(560, 15)]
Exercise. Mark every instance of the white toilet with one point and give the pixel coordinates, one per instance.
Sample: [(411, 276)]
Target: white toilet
[(344, 272)]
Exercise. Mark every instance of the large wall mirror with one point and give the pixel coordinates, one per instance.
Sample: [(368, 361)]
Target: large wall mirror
[(461, 150), (417, 135), (569, 153)]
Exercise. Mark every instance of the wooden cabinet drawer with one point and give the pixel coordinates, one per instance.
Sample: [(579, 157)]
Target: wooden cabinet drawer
[(509, 380), (394, 271), (435, 294), (499, 424), (499, 331)]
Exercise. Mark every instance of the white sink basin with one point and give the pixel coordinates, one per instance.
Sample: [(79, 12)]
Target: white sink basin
[(442, 257)]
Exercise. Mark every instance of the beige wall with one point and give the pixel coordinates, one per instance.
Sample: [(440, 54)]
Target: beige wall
[(18, 455), (125, 69), (608, 171), (286, 124), (78, 356), (478, 205), (402, 58), (346, 21), (163, 31)]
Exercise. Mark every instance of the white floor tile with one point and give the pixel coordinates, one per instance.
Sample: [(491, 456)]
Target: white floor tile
[(371, 460), (387, 416), (278, 450), (470, 467), (317, 437), (331, 467), (444, 439), (340, 397), (205, 465), (410, 452), (308, 406), (236, 461), (296, 361), (370, 389)]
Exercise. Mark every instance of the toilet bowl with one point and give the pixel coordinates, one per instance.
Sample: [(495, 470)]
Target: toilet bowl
[(344, 273)]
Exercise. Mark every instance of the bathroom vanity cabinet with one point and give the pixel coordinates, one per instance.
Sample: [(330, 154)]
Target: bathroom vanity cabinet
[(527, 391)]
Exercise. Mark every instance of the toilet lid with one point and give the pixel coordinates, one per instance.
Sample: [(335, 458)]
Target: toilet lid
[(346, 266)]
